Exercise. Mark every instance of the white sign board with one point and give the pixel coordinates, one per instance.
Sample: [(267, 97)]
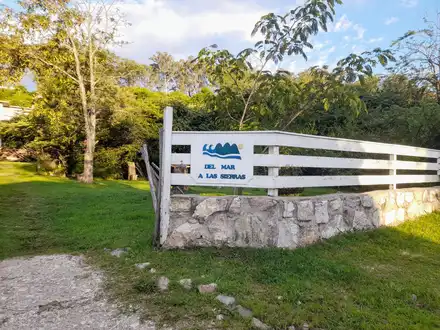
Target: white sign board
[(222, 160)]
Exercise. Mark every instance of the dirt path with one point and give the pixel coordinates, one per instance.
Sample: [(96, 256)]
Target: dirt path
[(57, 292)]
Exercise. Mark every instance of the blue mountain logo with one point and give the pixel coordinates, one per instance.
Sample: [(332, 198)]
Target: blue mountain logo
[(226, 151)]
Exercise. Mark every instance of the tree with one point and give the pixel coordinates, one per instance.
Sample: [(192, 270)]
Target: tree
[(420, 56), (70, 39)]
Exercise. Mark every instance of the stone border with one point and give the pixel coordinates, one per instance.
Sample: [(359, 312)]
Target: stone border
[(289, 222)]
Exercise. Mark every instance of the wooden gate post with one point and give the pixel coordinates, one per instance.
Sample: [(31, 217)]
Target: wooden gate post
[(165, 173)]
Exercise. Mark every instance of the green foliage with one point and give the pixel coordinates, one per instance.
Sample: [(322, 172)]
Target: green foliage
[(18, 96)]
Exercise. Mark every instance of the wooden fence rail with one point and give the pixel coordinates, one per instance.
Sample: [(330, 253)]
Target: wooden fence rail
[(272, 141)]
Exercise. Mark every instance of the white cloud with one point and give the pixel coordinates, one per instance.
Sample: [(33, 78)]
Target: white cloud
[(360, 31), (375, 40), (176, 27), (409, 3), (391, 20), (343, 24), (331, 50)]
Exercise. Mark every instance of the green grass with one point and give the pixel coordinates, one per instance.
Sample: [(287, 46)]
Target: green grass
[(355, 281)]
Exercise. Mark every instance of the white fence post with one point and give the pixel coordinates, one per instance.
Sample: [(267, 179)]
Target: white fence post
[(393, 172), (165, 173), (438, 166), (273, 171)]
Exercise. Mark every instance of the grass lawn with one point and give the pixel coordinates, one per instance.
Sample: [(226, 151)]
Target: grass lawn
[(383, 279)]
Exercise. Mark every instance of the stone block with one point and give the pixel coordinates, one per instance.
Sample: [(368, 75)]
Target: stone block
[(400, 215), (321, 212), (235, 206), (361, 221), (189, 235), (352, 202), (334, 227), (336, 205), (415, 210), (288, 232), (418, 195), (400, 199), (208, 207), (389, 217), (432, 195), (305, 211), (289, 209), (180, 204), (409, 197), (427, 208), (425, 197), (221, 228), (367, 201)]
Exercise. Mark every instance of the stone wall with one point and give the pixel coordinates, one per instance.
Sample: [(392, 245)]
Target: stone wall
[(289, 222)]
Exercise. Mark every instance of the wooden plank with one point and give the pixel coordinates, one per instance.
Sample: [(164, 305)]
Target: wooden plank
[(325, 162), (177, 159), (165, 174), (316, 181), (144, 153), (273, 171), (286, 139), (333, 162)]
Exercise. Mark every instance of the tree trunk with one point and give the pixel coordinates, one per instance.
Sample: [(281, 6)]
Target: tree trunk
[(87, 176)]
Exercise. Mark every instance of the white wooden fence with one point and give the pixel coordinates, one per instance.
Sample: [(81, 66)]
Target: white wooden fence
[(274, 161)]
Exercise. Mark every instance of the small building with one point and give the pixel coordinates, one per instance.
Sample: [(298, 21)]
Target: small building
[(8, 111)]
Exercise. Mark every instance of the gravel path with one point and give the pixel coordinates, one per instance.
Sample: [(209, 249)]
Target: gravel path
[(57, 292)]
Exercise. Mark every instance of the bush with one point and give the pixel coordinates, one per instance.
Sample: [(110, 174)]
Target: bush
[(111, 163)]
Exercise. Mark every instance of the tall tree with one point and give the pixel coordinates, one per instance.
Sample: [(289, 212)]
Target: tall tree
[(71, 39), (420, 55)]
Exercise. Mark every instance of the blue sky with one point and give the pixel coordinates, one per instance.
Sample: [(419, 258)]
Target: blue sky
[(183, 27)]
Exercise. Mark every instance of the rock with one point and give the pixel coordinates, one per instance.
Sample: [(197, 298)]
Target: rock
[(259, 325), (413, 297), (409, 197), (244, 312), (221, 228), (400, 215), (418, 195), (107, 250), (226, 300), (288, 232), (280, 297), (207, 288), (321, 212), (119, 252), (235, 206), (336, 204), (186, 283), (305, 211), (400, 199), (143, 266), (289, 209), (220, 317), (292, 327), (390, 217), (367, 201), (180, 204), (361, 221), (208, 207), (162, 283), (152, 270), (305, 326), (189, 235)]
